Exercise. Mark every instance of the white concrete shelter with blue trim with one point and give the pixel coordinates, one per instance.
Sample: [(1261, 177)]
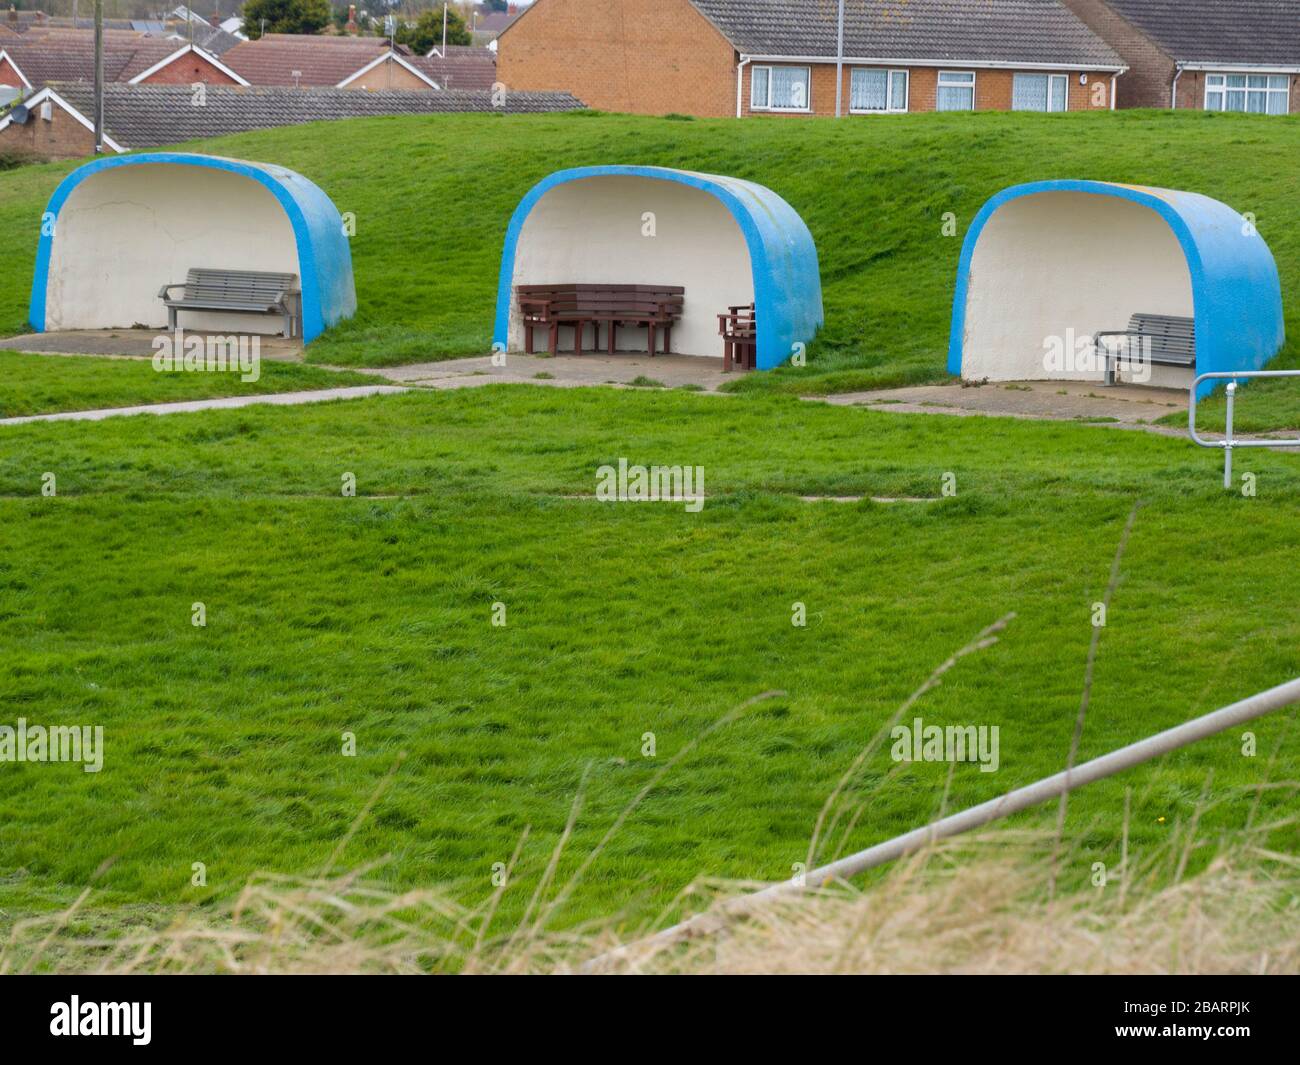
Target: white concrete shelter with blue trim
[(726, 241), (117, 229), (1056, 262)]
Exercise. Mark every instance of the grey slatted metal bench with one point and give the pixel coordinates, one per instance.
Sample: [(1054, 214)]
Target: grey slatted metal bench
[(1166, 340), (248, 291)]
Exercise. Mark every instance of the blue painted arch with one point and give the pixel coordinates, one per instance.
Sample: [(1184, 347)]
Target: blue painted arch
[(1236, 292), (783, 257), (324, 257)]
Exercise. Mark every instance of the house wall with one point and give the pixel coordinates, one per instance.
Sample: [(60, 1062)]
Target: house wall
[(126, 232), (1151, 69), (1062, 265), (190, 69), (650, 58), (8, 75), (593, 230), (1191, 91), (388, 75), (63, 137), (993, 89)]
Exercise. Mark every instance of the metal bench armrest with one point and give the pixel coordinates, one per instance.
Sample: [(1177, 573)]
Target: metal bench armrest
[(162, 292)]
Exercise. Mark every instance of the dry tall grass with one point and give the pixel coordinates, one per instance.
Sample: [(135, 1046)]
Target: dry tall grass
[(970, 906)]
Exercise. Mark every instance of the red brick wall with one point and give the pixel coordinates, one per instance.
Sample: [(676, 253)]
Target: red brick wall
[(189, 70), (63, 137), (1151, 70), (993, 89), (8, 75), (646, 58), (1191, 91)]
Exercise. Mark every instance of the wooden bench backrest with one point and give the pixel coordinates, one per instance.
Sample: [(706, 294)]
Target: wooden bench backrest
[(1171, 337), (607, 299), (238, 286)]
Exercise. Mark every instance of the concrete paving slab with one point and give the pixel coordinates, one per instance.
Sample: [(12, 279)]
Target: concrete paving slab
[(130, 343), (562, 371), (1128, 405), (280, 399)]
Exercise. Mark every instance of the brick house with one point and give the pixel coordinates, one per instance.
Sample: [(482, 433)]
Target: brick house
[(31, 61), (1203, 55), (55, 122), (358, 63), (37, 58), (715, 58)]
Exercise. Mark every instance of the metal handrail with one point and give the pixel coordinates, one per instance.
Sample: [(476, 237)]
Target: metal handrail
[(1229, 444)]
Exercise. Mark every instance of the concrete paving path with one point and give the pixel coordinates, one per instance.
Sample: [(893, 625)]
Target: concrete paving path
[(562, 371), (130, 343), (275, 399), (1122, 406)]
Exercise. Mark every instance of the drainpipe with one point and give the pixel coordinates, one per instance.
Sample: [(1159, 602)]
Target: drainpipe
[(1114, 81), (740, 81), (1173, 89), (839, 67)]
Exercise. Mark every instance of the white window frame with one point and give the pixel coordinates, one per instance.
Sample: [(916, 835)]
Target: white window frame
[(769, 67), (1065, 78), (889, 92), (1221, 89), (957, 73)]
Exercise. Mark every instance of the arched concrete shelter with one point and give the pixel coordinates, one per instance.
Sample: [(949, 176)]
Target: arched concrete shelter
[(1069, 259), (727, 241), (117, 229)]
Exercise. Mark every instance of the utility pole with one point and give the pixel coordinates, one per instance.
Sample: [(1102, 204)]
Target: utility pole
[(839, 64), (444, 31), (99, 77)]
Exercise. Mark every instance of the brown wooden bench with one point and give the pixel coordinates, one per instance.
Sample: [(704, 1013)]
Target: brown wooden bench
[(739, 338), (656, 307)]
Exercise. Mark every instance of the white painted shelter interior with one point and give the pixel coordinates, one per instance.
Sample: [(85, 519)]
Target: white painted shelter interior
[(624, 229), (1068, 265), (126, 231)]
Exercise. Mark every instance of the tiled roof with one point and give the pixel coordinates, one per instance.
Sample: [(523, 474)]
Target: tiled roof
[(379, 43), (149, 116), (44, 59), (993, 31), (272, 61), (466, 68), (214, 39), (494, 22), (1248, 32)]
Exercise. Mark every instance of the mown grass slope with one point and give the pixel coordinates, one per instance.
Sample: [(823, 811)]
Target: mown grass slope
[(372, 615), (432, 197), (45, 384)]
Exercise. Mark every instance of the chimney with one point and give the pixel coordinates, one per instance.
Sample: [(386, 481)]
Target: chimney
[(13, 15), (351, 26), (512, 10)]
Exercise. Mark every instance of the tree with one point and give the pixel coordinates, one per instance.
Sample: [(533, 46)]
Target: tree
[(285, 16), (426, 34)]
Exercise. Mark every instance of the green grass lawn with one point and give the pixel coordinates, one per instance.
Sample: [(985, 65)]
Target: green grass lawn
[(329, 614), (46, 384), (373, 615), (432, 196)]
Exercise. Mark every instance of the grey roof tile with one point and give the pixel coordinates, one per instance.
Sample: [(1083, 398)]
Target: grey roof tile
[(149, 116), (1028, 31), (1248, 32)]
